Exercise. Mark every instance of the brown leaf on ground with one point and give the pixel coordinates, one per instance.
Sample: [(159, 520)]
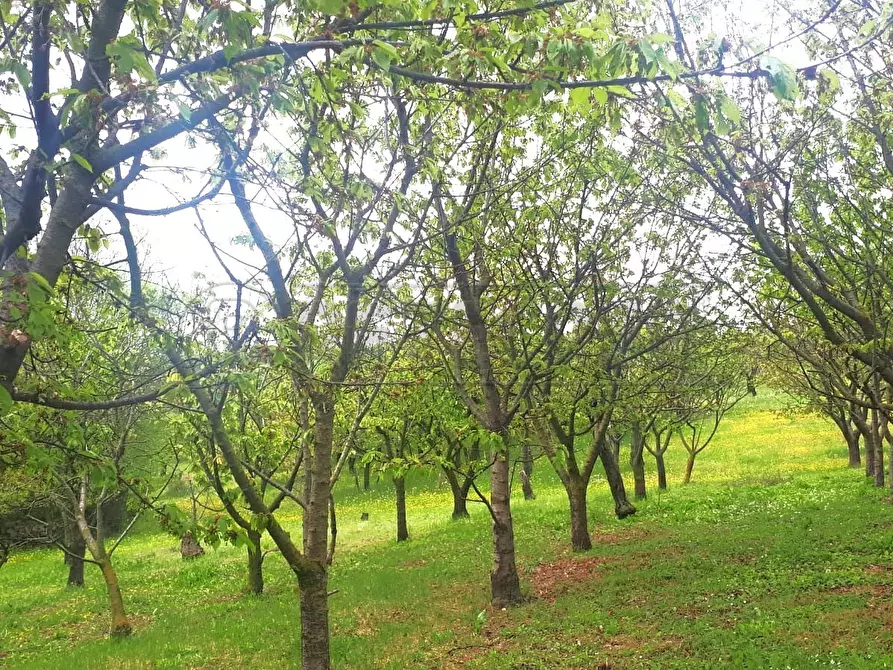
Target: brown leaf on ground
[(552, 579), (619, 536)]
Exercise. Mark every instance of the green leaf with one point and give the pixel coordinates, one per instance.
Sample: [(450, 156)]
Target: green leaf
[(730, 110), (208, 20), (22, 75), (660, 38), (832, 80), (41, 281), (382, 59), (539, 87), (479, 621), (383, 54), (620, 91), (128, 57), (580, 98), (782, 77), (330, 7), (83, 162), (600, 95), (390, 49), (647, 51), (868, 28), (702, 113)]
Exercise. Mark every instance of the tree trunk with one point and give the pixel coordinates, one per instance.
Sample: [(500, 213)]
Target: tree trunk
[(505, 587), (637, 460), (352, 465), (460, 505), (315, 620), (616, 443), (661, 470), (527, 472), (255, 564), (852, 444), (689, 466), (622, 506), (402, 530), (890, 456), (576, 494), (314, 582), (75, 558), (878, 448), (367, 472), (120, 624), (870, 452)]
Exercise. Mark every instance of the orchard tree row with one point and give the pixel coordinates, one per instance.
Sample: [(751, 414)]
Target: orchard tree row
[(471, 237)]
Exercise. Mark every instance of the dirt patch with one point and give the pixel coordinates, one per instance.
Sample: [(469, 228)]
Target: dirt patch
[(461, 656), (414, 564), (880, 605), (226, 598), (619, 536), (848, 589), (93, 628), (879, 570), (880, 600), (552, 579)]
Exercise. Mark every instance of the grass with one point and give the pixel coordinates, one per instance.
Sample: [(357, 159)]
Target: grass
[(776, 556)]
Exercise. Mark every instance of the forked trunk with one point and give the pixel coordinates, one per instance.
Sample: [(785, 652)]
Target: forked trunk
[(689, 466), (661, 470), (402, 529), (576, 494), (255, 563), (120, 624), (460, 504), (622, 506), (505, 587)]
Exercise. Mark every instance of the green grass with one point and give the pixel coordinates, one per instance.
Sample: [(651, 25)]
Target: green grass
[(776, 556)]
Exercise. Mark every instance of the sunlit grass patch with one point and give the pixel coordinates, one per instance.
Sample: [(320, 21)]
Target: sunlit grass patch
[(776, 556)]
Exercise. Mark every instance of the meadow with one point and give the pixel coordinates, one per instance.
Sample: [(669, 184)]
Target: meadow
[(775, 556)]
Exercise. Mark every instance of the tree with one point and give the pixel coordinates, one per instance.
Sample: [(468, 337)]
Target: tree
[(88, 461), (714, 380), (794, 181)]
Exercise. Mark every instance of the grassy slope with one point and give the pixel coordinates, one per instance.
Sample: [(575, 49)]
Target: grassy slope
[(775, 557)]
